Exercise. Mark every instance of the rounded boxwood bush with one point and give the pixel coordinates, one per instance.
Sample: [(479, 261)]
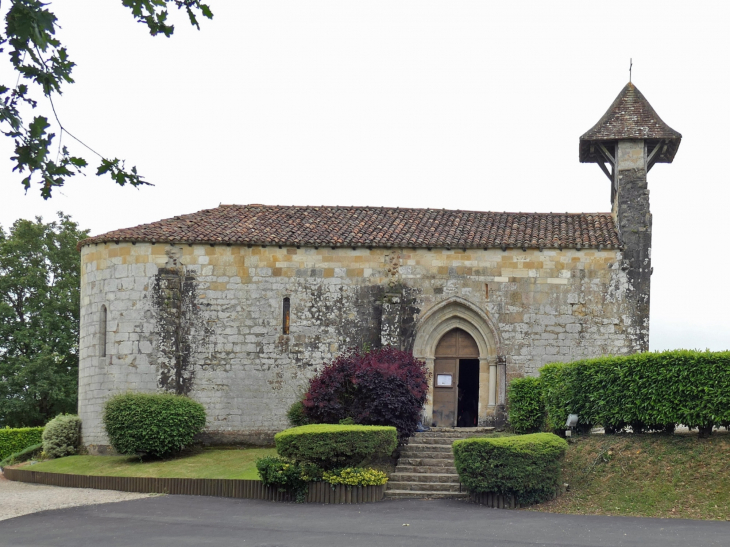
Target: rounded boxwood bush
[(332, 446), (62, 436), (526, 466), (152, 423)]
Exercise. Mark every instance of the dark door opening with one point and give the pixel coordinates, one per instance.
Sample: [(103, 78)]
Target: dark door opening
[(468, 393)]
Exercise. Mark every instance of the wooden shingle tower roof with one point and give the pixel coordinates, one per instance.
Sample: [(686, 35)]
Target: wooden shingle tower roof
[(630, 117)]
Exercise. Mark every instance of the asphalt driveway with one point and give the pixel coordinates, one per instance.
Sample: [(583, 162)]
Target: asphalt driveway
[(177, 521)]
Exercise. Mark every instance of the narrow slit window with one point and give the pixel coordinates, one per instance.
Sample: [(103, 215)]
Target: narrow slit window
[(102, 332), (286, 316)]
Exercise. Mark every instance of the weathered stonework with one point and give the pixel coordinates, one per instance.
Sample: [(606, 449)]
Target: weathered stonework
[(631, 208), (205, 317), (207, 320)]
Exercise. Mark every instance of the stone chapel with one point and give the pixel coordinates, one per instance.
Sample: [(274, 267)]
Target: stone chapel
[(240, 305)]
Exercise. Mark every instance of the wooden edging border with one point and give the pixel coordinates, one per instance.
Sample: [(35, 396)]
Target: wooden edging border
[(318, 492), (504, 501), (497, 501)]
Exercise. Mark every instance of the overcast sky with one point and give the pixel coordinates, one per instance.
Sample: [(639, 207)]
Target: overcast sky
[(461, 105)]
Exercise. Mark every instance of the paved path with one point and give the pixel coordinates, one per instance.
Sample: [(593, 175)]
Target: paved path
[(19, 498), (180, 521)]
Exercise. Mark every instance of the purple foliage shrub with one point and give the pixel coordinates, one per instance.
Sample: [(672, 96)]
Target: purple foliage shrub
[(386, 386)]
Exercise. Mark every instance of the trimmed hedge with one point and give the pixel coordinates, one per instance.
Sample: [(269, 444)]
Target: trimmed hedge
[(526, 466), (526, 405), (24, 455), (332, 446), (62, 436), (647, 391), (16, 440), (152, 423)]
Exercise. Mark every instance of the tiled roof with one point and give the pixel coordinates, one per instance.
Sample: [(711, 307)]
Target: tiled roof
[(630, 117), (374, 227)]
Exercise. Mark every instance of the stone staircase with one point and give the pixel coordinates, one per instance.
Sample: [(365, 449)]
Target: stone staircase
[(426, 465)]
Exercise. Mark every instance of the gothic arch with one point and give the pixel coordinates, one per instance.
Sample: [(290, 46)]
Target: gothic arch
[(452, 313), (457, 312)]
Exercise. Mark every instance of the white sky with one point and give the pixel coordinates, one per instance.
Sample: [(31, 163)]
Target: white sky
[(454, 104)]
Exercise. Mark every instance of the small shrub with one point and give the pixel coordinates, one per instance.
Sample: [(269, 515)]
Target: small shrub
[(62, 436), (24, 455), (154, 424), (333, 446), (380, 387), (15, 440), (287, 476), (355, 476), (526, 405), (282, 474), (526, 466), (296, 415)]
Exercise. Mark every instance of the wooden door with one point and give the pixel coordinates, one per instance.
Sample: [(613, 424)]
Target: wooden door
[(454, 345), (445, 372)]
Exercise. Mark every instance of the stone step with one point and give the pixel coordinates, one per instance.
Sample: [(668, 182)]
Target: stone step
[(415, 448), (430, 462), (427, 454), (434, 440), (456, 430), (404, 494), (449, 435), (467, 429), (422, 446), (424, 486), (432, 478), (425, 469)]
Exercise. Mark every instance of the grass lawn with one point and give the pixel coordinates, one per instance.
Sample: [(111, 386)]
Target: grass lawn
[(200, 464), (648, 475)]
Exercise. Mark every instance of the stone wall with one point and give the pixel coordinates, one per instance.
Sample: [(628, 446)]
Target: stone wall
[(631, 207), (207, 320)]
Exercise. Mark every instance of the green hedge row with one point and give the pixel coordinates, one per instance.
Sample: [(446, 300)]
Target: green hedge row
[(15, 440), (333, 446), (29, 453), (526, 466), (526, 405), (647, 391)]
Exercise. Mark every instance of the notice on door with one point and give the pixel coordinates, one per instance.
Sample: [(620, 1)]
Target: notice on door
[(443, 380)]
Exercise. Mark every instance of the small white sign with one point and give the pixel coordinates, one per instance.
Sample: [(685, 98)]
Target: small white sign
[(443, 380)]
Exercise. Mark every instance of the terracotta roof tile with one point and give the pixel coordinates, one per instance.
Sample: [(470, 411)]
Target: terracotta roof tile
[(374, 227)]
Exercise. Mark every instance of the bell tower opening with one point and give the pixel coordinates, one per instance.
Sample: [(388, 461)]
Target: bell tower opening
[(456, 380)]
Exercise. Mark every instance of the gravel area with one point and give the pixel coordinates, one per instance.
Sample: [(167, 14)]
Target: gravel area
[(21, 498)]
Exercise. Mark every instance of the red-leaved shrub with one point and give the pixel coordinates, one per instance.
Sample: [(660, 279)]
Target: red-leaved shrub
[(386, 386)]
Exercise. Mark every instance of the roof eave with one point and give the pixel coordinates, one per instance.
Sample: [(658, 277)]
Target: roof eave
[(585, 155)]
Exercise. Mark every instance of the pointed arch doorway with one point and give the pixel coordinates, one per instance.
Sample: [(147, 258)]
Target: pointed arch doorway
[(479, 329), (456, 380)]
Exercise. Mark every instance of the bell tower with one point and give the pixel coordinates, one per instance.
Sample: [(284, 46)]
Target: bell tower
[(626, 143)]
